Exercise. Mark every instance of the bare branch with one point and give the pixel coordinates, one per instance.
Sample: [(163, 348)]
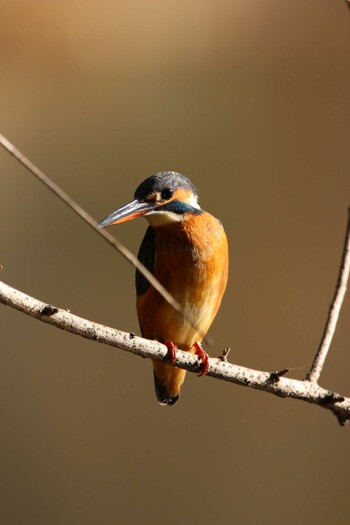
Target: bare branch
[(219, 368), (333, 315)]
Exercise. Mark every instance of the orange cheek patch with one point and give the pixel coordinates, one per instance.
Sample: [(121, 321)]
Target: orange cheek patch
[(182, 195)]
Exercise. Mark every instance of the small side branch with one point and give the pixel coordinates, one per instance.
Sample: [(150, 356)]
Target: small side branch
[(219, 368), (333, 315)]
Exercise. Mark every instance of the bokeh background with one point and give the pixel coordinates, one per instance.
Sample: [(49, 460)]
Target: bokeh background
[(251, 101)]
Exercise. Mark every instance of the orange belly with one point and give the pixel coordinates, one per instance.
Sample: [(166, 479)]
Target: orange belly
[(191, 262)]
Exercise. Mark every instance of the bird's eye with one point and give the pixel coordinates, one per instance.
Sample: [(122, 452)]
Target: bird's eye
[(167, 193)]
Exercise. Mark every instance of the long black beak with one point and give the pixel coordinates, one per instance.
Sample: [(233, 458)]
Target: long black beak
[(127, 213)]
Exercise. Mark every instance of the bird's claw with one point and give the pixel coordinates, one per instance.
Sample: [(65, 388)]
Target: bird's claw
[(204, 358), (171, 355)]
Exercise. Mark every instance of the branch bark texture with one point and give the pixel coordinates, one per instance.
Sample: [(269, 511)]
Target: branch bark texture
[(219, 368)]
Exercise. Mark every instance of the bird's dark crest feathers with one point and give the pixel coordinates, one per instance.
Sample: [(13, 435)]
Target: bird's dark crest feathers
[(162, 180)]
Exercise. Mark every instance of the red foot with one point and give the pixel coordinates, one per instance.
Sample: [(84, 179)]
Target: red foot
[(171, 356), (204, 357)]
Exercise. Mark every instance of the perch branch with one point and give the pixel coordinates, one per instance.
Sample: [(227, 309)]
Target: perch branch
[(219, 368), (340, 290)]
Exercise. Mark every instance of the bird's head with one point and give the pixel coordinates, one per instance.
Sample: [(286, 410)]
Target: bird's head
[(163, 198)]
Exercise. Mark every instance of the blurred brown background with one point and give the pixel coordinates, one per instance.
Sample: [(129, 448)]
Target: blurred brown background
[(251, 101)]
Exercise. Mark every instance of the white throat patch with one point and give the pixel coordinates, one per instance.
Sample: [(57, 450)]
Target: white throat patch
[(162, 218), (194, 202)]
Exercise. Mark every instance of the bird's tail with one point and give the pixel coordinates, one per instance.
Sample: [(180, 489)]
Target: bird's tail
[(167, 382)]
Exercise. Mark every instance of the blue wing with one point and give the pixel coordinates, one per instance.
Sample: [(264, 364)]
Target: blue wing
[(146, 255)]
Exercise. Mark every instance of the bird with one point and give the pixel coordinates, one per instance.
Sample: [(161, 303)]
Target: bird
[(186, 249)]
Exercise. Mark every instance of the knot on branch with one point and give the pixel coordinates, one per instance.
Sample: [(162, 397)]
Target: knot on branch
[(331, 398), (48, 311), (224, 355), (92, 333), (274, 377)]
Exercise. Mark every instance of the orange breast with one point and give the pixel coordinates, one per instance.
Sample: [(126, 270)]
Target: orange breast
[(191, 261)]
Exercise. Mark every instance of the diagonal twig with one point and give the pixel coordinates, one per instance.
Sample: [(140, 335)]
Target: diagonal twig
[(333, 315), (129, 256)]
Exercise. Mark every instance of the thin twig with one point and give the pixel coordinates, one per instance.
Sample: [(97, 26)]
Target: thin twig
[(130, 257), (333, 315), (218, 368)]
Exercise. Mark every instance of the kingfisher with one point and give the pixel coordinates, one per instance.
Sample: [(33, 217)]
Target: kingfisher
[(186, 249)]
